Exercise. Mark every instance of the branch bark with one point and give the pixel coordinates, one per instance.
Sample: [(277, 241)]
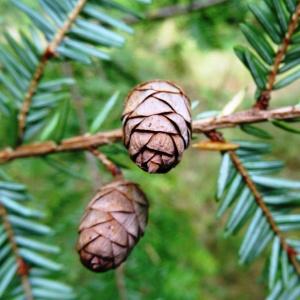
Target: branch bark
[(84, 142), (246, 117), (109, 165), (87, 141), (177, 10), (37, 76)]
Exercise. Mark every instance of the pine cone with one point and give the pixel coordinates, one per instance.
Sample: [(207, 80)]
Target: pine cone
[(113, 223), (157, 125)]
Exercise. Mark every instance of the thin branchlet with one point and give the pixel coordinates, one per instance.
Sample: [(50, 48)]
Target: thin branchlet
[(49, 52), (246, 117), (108, 164), (216, 136), (23, 269), (261, 105), (265, 96), (291, 252)]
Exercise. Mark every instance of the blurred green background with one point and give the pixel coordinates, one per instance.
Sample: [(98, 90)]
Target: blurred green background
[(183, 254)]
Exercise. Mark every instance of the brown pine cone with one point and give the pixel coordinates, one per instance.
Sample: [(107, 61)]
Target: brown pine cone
[(113, 223), (157, 125)]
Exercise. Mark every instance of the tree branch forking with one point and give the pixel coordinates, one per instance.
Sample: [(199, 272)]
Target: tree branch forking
[(265, 96), (37, 76), (87, 141), (84, 142), (22, 266), (109, 165)]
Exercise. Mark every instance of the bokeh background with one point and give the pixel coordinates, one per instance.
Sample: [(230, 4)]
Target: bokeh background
[(184, 254)]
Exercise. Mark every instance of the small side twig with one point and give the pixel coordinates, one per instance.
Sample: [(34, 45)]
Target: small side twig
[(265, 96), (23, 269), (116, 173), (37, 76), (250, 116), (109, 165), (291, 252)]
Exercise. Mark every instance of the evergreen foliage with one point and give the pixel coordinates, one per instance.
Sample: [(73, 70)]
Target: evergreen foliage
[(260, 205)]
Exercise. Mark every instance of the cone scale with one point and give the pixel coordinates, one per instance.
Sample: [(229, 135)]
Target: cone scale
[(113, 223), (157, 125)]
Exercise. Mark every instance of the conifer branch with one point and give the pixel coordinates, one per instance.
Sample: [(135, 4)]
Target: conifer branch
[(46, 56), (22, 266), (87, 141), (265, 96), (291, 252), (84, 142)]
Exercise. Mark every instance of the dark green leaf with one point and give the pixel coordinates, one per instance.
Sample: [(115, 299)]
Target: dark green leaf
[(259, 43), (256, 131), (285, 126), (281, 15), (267, 23), (287, 80)]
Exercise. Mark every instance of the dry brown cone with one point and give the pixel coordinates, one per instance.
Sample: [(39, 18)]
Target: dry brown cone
[(157, 125), (113, 223)]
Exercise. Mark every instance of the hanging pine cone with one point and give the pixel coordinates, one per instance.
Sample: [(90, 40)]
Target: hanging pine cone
[(157, 125), (113, 223)]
